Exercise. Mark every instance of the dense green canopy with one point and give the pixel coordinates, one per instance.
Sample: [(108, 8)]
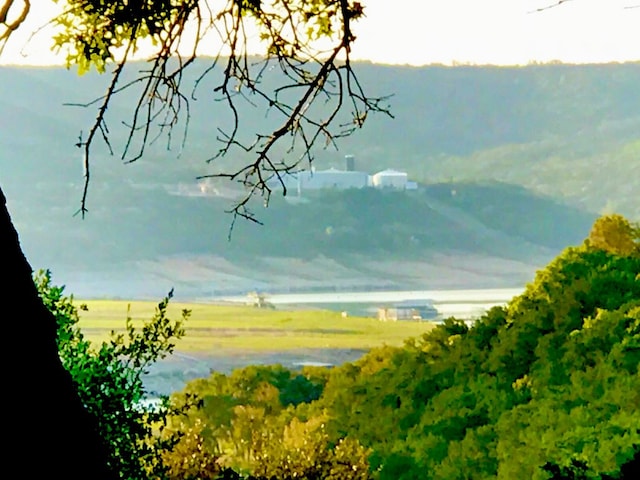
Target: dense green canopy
[(546, 387)]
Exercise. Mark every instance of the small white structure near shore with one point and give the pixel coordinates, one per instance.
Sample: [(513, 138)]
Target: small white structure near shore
[(408, 310)]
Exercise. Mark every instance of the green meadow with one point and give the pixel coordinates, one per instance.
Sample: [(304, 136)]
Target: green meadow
[(216, 327)]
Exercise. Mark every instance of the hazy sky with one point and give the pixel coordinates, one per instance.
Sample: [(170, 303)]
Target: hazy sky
[(420, 32)]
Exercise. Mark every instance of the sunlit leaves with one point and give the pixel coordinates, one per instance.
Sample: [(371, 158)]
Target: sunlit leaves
[(615, 234), (244, 415), (189, 459), (304, 451), (551, 380), (92, 31)]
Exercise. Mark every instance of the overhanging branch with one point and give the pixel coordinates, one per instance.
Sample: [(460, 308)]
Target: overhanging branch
[(316, 84)]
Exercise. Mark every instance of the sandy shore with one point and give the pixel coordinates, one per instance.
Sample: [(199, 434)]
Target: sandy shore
[(201, 277)]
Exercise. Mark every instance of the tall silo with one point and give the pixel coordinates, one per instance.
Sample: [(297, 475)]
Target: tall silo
[(350, 162)]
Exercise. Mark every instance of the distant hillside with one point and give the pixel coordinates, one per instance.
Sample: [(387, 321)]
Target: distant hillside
[(134, 223), (571, 132), (351, 230), (515, 164)]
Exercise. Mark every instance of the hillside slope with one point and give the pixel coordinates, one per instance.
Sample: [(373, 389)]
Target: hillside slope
[(439, 236)]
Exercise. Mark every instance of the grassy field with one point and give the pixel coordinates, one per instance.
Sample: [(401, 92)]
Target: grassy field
[(215, 327)]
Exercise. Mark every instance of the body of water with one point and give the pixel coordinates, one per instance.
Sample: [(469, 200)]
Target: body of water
[(459, 303)]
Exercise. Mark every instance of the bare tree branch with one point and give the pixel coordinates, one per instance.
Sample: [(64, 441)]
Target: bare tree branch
[(308, 43), (8, 25), (550, 5), (557, 3), (101, 126)]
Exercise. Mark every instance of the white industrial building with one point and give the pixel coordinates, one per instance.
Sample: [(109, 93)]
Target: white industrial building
[(334, 178), (322, 179), (389, 179), (341, 179)]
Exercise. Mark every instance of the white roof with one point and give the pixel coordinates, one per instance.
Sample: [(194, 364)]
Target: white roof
[(390, 171)]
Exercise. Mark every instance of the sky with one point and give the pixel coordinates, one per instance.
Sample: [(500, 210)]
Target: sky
[(421, 32)]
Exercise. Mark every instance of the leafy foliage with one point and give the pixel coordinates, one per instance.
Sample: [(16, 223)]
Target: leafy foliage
[(258, 420), (189, 459), (92, 31), (301, 451), (109, 378), (546, 387), (615, 234)]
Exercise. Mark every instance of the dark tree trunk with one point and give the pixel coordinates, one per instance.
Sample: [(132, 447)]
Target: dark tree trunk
[(50, 433)]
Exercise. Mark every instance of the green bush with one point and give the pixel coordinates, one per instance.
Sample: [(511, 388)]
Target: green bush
[(109, 379)]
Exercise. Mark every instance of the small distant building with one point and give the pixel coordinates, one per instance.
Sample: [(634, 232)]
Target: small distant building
[(408, 310), (390, 179)]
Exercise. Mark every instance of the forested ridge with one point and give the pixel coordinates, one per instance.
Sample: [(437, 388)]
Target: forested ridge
[(546, 387), (334, 223)]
